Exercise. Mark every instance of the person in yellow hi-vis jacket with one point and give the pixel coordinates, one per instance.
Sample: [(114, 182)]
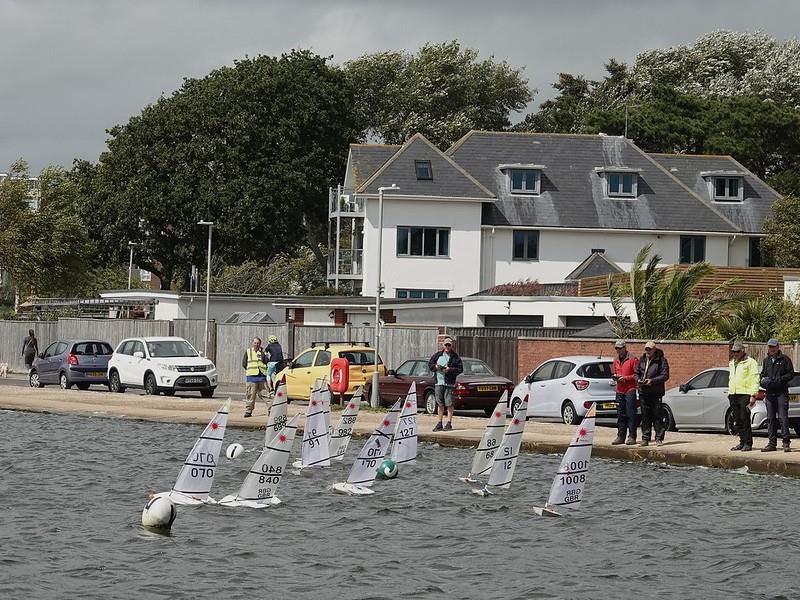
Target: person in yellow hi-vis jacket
[(743, 381), (255, 364)]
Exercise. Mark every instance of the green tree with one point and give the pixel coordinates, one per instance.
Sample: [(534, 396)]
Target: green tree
[(252, 147), (665, 301), (443, 92), (782, 243), (756, 319)]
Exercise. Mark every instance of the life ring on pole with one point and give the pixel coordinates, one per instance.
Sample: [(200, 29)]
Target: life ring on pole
[(340, 375)]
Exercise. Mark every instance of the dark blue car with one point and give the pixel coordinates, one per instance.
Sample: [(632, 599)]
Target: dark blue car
[(72, 362)]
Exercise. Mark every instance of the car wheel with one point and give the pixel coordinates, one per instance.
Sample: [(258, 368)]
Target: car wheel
[(430, 403), (150, 385), (63, 381), (730, 423), (114, 383), (515, 404), (207, 393), (34, 380), (82, 386), (568, 414), (667, 418)]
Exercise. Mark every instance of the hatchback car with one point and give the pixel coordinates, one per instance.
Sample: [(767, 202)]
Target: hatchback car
[(315, 363), (161, 365), (71, 362), (566, 387), (477, 387)]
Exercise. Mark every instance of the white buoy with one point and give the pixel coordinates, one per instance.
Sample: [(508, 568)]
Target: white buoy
[(234, 451), (159, 512)]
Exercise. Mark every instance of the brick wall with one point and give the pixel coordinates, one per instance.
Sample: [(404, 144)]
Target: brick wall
[(685, 358)]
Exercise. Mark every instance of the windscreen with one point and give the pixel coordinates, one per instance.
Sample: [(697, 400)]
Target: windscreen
[(171, 349)]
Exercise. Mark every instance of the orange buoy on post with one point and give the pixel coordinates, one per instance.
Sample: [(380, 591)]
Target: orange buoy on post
[(340, 377)]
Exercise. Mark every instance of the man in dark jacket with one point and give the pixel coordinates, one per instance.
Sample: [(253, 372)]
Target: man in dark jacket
[(776, 373), (446, 364), (651, 373)]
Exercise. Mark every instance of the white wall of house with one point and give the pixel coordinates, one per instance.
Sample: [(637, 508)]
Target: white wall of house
[(791, 288), (553, 309), (561, 251), (458, 274), (740, 251)]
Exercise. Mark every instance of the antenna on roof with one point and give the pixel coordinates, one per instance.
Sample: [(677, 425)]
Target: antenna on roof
[(626, 118)]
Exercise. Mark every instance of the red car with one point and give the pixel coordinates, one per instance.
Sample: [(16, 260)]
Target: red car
[(477, 388)]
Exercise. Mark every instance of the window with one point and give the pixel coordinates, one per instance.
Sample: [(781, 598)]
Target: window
[(693, 249), (362, 357), (524, 181), (562, 369), (476, 367), (726, 189), (423, 169), (138, 347), (59, 349), (754, 260), (406, 368), (323, 358), (145, 276), (702, 381), (171, 349), (721, 379), (526, 245), (304, 360), (50, 351), (423, 241), (422, 294), (596, 371), (544, 372), (621, 184)]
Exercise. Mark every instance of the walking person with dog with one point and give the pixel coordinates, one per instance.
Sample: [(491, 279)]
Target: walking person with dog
[(30, 349)]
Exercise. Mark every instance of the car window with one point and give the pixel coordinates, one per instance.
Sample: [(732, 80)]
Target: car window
[(421, 369), (562, 369), (407, 367), (83, 348), (360, 357), (702, 381), (170, 349), (544, 372), (476, 367), (323, 358), (137, 347), (59, 349), (127, 348), (602, 370), (795, 381), (720, 379), (49, 350), (306, 359)]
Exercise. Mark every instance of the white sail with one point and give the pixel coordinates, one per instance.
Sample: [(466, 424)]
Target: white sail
[(365, 466), (197, 473), (324, 397), (277, 413), (505, 459), (484, 456), (259, 486), (315, 451), (404, 444), (340, 436), (570, 479)]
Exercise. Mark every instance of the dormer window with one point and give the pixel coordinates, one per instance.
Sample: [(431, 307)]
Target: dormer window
[(620, 182), (423, 169), (726, 189), (523, 179)]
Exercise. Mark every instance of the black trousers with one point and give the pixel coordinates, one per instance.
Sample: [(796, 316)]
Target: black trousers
[(652, 416), (777, 408), (741, 418)]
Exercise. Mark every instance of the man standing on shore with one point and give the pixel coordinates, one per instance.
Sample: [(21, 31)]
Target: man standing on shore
[(447, 366), (625, 377), (742, 390), (255, 364), (652, 371), (776, 373)]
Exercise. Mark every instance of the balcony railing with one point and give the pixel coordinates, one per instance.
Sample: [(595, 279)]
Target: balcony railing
[(347, 205), (350, 262)]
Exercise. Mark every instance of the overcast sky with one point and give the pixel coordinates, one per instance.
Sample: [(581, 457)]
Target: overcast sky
[(70, 69)]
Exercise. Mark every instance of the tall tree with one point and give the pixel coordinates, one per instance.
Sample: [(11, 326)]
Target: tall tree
[(252, 147), (443, 92)]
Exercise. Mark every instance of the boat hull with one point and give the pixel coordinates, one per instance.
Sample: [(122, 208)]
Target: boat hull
[(546, 512), (352, 490), (232, 500), (183, 499)]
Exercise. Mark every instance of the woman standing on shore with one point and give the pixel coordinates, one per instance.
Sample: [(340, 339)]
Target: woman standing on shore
[(30, 349)]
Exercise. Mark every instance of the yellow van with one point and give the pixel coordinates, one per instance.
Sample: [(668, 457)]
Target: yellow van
[(315, 363)]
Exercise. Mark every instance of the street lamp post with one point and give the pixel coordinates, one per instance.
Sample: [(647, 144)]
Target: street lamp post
[(131, 245), (375, 393), (208, 282)]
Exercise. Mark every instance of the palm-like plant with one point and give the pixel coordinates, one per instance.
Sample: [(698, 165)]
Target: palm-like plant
[(756, 319), (664, 300)]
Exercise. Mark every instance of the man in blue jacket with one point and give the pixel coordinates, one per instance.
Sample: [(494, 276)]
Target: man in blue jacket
[(447, 366), (776, 373)]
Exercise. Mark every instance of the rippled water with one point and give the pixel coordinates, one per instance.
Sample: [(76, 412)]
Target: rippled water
[(72, 490)]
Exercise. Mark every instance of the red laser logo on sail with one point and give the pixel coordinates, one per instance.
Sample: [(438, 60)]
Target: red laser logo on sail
[(351, 406), (214, 426), (497, 414), (282, 438), (386, 422), (581, 434)]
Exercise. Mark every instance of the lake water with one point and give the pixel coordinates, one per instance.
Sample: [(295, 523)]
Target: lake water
[(72, 490)]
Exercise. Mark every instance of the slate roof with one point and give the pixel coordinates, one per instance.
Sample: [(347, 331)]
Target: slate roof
[(749, 214), (365, 159), (572, 192), (449, 179), (596, 263)]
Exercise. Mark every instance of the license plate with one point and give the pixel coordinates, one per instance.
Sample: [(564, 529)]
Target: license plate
[(97, 374), (794, 398), (194, 380), (488, 388), (609, 405)]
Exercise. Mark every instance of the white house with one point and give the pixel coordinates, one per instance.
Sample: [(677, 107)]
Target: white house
[(498, 207)]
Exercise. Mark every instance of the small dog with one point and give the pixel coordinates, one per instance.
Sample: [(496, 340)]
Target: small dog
[(3, 369)]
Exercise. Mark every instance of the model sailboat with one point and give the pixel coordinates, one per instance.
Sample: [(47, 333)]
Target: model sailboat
[(196, 476), (315, 451), (276, 420), (340, 436), (259, 486), (484, 456), (567, 488), (504, 461), (404, 444)]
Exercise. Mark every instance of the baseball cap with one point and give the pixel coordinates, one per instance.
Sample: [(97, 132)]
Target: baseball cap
[(650, 344), (619, 344), (737, 347), (448, 340), (772, 342)]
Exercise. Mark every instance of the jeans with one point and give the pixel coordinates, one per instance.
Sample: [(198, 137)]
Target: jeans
[(652, 416), (626, 414), (741, 418), (777, 403)]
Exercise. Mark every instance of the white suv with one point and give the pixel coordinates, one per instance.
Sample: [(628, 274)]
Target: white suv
[(160, 365)]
